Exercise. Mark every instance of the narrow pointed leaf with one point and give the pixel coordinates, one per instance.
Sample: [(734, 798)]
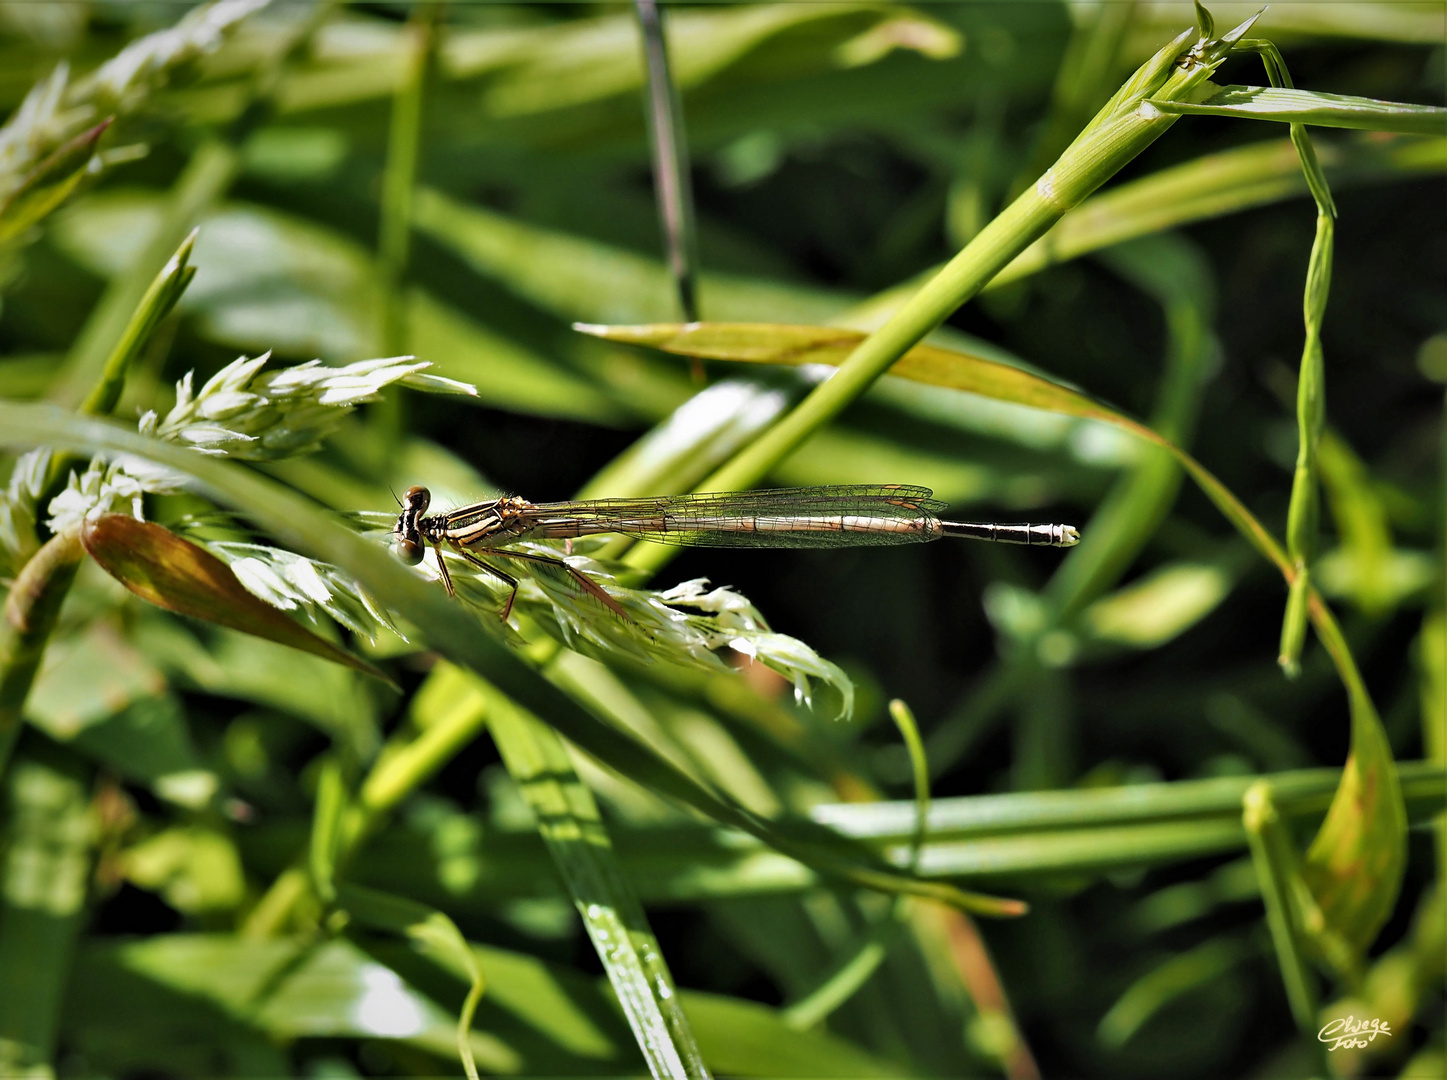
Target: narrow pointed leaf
[(49, 184), (1320, 110)]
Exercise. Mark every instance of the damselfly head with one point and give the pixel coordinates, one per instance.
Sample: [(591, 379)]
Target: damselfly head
[(406, 537)]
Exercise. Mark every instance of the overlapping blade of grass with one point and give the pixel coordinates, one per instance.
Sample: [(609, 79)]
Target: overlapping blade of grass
[(1013, 837), (570, 825)]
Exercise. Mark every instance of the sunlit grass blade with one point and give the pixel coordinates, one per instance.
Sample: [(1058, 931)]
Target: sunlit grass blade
[(578, 840), (1292, 106), (47, 847)]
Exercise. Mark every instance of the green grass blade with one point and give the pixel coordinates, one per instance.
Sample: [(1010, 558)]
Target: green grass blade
[(209, 173), (1278, 873), (1176, 977), (1292, 106), (1367, 820), (43, 874), (574, 832), (433, 935)]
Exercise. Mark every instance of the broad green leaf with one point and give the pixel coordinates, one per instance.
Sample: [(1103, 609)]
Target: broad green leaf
[(44, 870), (532, 70), (1159, 606), (578, 278), (171, 572), (100, 694), (600, 58), (1355, 863), (536, 1020), (1294, 106), (290, 990)]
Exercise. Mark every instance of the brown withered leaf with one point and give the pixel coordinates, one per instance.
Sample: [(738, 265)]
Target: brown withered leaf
[(173, 573)]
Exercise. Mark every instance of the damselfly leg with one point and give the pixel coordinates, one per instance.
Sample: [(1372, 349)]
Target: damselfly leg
[(587, 584)]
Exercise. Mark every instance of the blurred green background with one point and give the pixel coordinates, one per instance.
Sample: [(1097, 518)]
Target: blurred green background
[(170, 769)]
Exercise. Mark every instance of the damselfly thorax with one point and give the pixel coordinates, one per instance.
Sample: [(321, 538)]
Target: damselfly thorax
[(842, 515)]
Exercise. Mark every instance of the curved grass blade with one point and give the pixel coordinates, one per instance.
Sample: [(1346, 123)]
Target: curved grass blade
[(433, 935), (300, 524), (1355, 864), (170, 572)]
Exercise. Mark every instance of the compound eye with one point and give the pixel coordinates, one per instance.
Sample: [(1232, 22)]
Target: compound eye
[(408, 550), (417, 499)]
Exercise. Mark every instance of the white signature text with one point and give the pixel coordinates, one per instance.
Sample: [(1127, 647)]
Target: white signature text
[(1352, 1032)]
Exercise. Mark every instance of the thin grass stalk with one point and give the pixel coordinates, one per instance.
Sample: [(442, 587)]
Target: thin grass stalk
[(1304, 512), (399, 175), (668, 147), (1277, 872)]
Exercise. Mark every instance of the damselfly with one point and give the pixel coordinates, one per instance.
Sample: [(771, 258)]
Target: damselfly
[(839, 515)]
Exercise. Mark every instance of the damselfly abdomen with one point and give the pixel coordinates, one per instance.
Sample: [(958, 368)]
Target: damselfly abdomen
[(839, 515)]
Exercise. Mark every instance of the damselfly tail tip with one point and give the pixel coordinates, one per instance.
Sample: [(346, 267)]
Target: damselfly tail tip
[(1069, 536)]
